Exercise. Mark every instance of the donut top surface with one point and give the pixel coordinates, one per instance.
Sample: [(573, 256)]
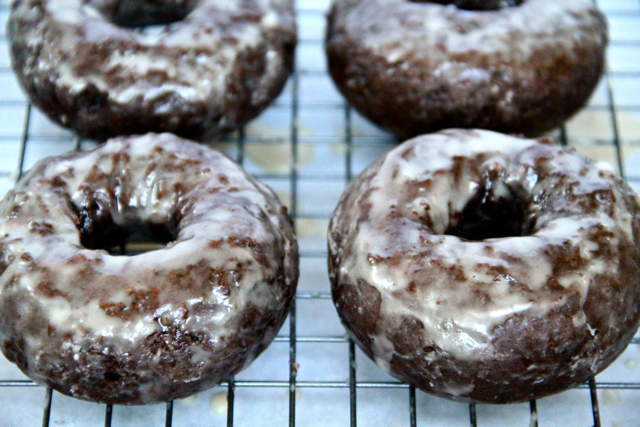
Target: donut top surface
[(465, 230), (100, 43), (415, 67), (216, 293), (441, 36)]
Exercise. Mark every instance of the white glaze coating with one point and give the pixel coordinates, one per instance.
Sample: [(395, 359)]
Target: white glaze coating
[(81, 23), (433, 28), (521, 69), (388, 233), (72, 47), (467, 335), (234, 253)]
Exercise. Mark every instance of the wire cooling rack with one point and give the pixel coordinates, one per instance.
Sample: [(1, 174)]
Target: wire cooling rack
[(307, 146)]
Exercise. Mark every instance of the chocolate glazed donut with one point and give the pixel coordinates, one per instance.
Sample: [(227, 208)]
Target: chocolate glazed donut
[(413, 67), (155, 326), (486, 268), (196, 68)]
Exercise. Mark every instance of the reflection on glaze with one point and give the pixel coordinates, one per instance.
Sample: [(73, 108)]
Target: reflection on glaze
[(521, 70), (112, 328), (422, 302), (204, 74)]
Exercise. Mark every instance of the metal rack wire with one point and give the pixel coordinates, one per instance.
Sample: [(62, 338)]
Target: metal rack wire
[(351, 141)]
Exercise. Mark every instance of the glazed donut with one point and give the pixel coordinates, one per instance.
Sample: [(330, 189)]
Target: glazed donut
[(154, 326), (486, 268), (413, 67), (196, 68)]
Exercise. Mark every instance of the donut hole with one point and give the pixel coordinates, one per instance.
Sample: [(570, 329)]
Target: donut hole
[(494, 211), (476, 4), (112, 376), (147, 237), (136, 14), (98, 231)]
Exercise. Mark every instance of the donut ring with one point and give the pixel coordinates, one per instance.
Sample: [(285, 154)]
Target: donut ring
[(486, 268), (155, 326), (414, 67), (196, 68)]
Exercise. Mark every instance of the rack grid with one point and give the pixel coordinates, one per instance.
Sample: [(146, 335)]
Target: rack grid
[(608, 129)]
